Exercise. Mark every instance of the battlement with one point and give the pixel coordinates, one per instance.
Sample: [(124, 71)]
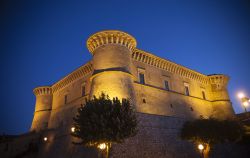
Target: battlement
[(44, 90), (110, 37), (77, 74), (218, 78), (218, 81), (148, 58)]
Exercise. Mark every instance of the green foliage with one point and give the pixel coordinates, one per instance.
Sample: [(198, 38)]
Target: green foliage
[(102, 120), (212, 131)]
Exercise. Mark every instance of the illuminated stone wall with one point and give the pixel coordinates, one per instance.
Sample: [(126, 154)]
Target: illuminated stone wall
[(158, 137), (42, 108)]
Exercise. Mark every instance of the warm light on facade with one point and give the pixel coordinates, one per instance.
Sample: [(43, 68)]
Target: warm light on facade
[(200, 147), (102, 146), (73, 129), (45, 139)]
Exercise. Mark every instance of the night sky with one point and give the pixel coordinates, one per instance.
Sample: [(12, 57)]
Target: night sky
[(44, 41)]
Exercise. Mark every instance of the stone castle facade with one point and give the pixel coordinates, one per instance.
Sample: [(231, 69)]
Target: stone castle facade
[(164, 94)]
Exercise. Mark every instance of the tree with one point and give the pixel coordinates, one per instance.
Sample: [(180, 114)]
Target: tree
[(105, 121), (212, 131)]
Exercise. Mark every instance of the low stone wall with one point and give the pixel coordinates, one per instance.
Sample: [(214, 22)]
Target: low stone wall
[(21, 146), (158, 136)]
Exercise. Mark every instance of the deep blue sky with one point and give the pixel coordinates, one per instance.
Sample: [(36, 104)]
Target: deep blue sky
[(44, 41)]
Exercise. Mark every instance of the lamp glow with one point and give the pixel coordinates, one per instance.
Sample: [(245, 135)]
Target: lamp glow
[(73, 129), (102, 146), (241, 95), (245, 103), (200, 147), (45, 139)]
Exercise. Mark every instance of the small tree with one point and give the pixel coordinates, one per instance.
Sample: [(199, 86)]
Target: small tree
[(211, 131), (102, 120)]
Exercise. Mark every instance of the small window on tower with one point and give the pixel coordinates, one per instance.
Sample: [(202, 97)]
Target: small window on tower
[(171, 105), (186, 90), (203, 95), (166, 85), (166, 82), (141, 75), (83, 90), (141, 78), (45, 124), (65, 99)]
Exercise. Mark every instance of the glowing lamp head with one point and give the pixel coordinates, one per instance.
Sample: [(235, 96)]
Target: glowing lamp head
[(102, 146), (45, 139), (73, 129), (200, 147), (241, 95), (245, 103)]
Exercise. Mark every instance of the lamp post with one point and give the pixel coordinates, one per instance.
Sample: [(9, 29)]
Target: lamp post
[(244, 100), (102, 147), (201, 148)]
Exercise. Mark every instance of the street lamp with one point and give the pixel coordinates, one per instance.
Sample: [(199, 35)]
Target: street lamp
[(201, 148), (102, 146), (241, 95), (244, 100), (73, 129), (45, 139)]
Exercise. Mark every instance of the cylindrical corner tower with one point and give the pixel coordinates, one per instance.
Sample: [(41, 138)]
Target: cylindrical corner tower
[(220, 98), (112, 62), (42, 108), (219, 86)]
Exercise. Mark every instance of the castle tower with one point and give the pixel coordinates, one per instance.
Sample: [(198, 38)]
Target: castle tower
[(112, 63), (42, 108), (220, 98)]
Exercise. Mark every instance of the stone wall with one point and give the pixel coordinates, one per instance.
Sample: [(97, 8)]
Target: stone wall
[(158, 136), (21, 146)]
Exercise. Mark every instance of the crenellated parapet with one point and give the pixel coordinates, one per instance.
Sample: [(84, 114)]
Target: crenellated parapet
[(110, 37), (218, 82), (77, 74), (44, 90), (169, 66)]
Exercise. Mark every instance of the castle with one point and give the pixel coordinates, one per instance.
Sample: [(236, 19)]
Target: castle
[(164, 94)]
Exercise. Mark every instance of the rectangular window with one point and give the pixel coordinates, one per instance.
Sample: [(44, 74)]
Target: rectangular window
[(65, 99), (141, 78), (166, 85), (83, 90), (203, 95), (186, 90), (45, 124)]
